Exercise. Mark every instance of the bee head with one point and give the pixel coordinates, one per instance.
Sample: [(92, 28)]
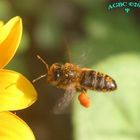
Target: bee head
[(56, 71)]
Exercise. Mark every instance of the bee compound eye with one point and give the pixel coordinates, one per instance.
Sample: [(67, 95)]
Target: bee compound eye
[(57, 74)]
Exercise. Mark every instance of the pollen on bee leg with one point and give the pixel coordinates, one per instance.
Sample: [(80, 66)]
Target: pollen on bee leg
[(84, 99)]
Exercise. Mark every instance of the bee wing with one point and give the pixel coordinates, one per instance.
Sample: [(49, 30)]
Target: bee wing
[(64, 101)]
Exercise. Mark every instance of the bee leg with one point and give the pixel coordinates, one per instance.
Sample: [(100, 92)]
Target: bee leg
[(81, 89), (84, 100)]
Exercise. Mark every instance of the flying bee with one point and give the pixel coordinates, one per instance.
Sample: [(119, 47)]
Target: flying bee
[(74, 79)]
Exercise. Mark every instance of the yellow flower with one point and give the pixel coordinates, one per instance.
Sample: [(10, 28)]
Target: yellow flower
[(16, 92)]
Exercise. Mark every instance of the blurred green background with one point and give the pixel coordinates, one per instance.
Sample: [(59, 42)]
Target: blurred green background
[(87, 34)]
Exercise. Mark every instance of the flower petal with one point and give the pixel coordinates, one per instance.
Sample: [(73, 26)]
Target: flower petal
[(16, 92), (1, 24), (13, 128), (10, 36)]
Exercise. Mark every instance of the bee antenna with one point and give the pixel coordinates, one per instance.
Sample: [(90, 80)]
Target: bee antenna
[(43, 61), (38, 78), (47, 67)]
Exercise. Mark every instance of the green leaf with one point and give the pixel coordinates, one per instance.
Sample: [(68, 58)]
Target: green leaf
[(115, 115)]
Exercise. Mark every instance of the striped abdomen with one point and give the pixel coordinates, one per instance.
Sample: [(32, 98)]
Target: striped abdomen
[(97, 81)]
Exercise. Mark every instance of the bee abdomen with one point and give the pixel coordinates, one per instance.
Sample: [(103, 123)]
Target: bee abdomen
[(89, 79), (97, 81)]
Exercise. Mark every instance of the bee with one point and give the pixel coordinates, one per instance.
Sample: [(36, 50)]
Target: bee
[(72, 79)]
